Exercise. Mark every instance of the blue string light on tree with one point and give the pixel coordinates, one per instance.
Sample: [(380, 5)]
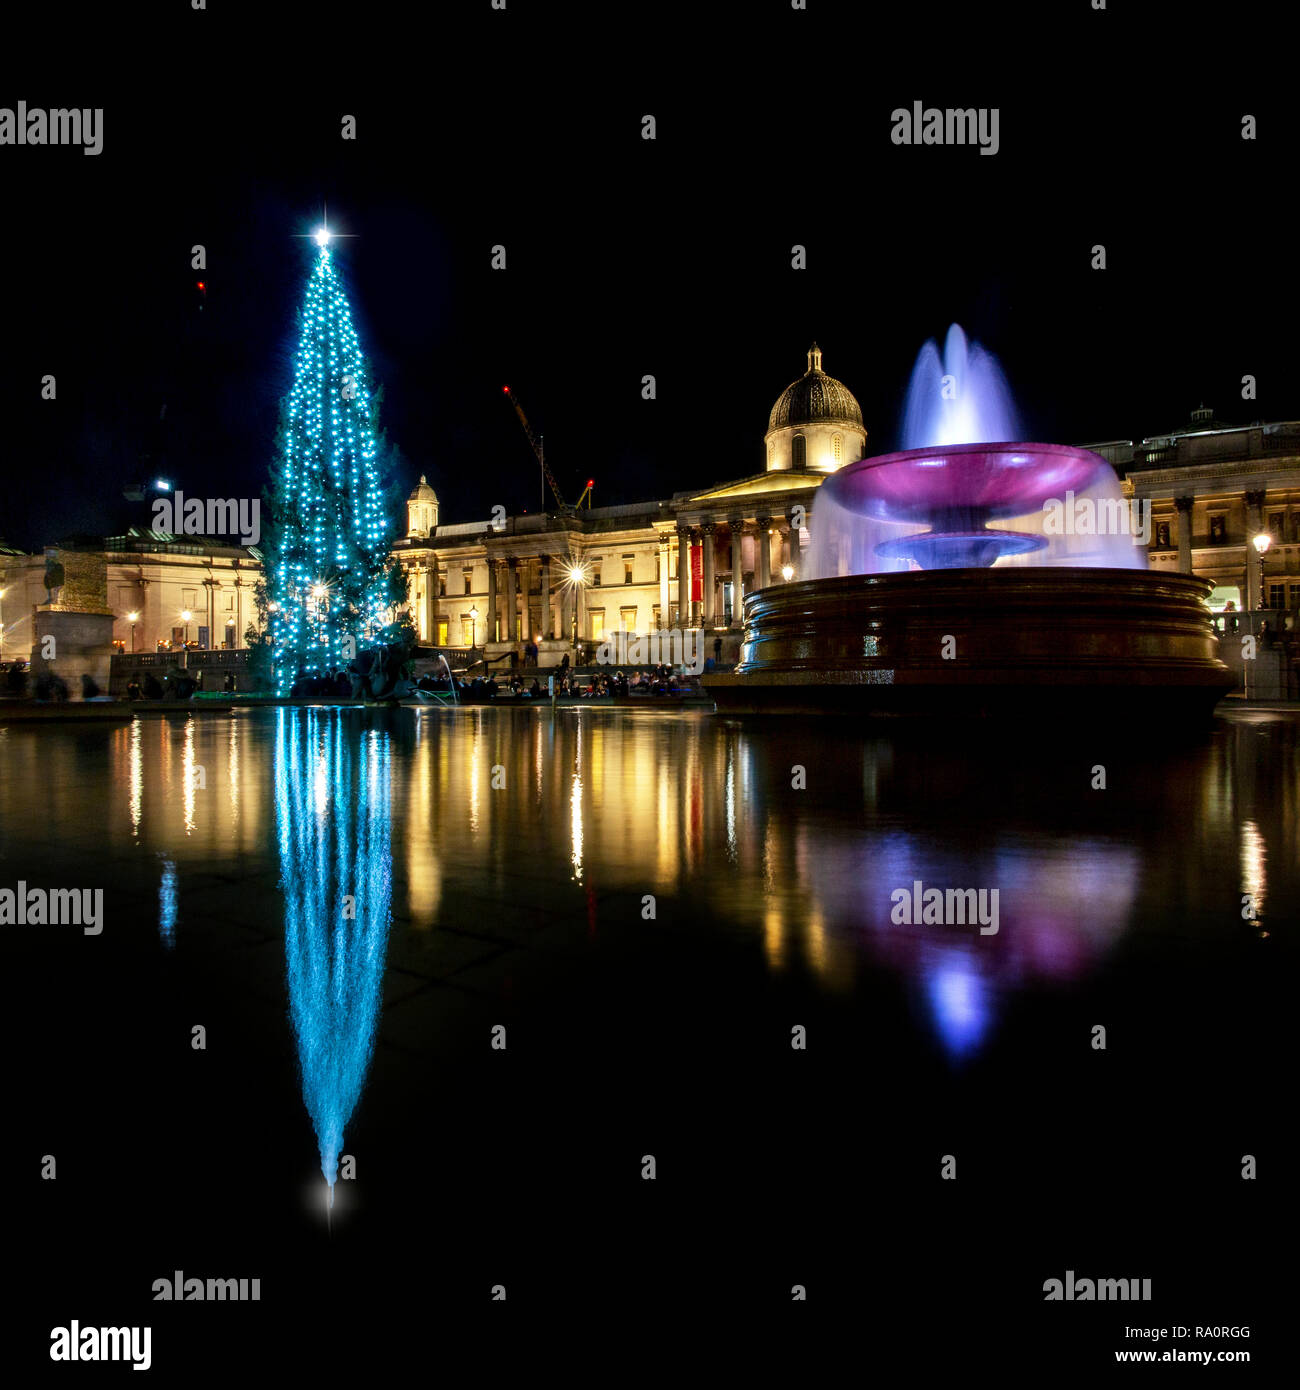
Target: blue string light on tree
[(327, 585)]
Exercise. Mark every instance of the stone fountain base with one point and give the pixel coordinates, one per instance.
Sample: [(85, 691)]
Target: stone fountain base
[(1016, 642)]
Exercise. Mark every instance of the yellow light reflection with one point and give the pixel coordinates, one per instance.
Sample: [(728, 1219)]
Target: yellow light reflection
[(232, 768), (137, 777), (575, 825), (188, 774), (774, 938), (1254, 862)]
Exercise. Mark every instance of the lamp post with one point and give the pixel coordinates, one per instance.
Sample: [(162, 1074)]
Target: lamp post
[(1261, 544), (186, 615), (2, 625), (133, 618), (473, 617), (576, 578), (230, 633), (787, 573)]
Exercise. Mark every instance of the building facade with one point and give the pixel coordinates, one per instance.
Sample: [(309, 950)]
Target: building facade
[(165, 591), (680, 562), (1213, 490)]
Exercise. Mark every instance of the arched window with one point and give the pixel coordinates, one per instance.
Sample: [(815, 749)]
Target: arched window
[(799, 452), (837, 447)]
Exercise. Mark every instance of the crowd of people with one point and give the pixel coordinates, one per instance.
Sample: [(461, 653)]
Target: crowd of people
[(178, 684)]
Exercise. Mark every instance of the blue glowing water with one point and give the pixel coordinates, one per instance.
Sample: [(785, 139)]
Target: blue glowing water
[(1019, 505), (958, 397), (333, 820)]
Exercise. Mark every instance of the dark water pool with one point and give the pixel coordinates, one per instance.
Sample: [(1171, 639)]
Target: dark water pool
[(651, 905)]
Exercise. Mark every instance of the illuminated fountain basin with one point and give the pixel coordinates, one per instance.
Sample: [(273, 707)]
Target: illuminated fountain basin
[(986, 580), (970, 506), (982, 578)]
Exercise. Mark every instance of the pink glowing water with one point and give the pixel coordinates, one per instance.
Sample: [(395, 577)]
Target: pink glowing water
[(961, 496)]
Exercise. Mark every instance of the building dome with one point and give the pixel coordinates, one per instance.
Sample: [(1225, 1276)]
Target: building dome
[(815, 397), (421, 509), (816, 423)]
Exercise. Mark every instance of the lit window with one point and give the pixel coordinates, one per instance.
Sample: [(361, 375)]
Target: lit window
[(837, 445), (799, 452)]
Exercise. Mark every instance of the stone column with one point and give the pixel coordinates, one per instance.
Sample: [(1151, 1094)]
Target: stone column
[(512, 611), (490, 622), (737, 525), (665, 600), (1254, 525), (1184, 506), (708, 595), (763, 563), (795, 556), (431, 606), (548, 624), (239, 612), (683, 576)]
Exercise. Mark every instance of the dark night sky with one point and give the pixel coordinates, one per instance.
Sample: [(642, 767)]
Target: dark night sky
[(627, 257)]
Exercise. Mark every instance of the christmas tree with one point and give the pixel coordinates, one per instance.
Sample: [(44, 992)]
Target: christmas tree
[(329, 582)]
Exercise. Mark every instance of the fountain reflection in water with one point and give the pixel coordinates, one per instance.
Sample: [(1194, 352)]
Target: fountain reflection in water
[(947, 503), (333, 820)]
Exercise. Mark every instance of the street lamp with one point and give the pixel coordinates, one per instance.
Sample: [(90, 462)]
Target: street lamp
[(186, 615), (133, 618), (230, 633), (787, 573), (1261, 544), (473, 617), (2, 624), (576, 577)]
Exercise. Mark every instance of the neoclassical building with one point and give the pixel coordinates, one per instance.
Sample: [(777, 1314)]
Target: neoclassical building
[(164, 590), (1214, 489), (684, 561)]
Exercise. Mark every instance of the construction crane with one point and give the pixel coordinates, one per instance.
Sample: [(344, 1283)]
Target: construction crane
[(541, 457)]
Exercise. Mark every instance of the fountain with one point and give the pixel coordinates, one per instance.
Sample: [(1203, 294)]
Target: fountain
[(973, 575)]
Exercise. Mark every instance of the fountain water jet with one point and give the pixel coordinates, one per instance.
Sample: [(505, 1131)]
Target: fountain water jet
[(975, 576)]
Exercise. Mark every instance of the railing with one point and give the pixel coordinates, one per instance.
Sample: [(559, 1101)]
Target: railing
[(1281, 621), (235, 657)]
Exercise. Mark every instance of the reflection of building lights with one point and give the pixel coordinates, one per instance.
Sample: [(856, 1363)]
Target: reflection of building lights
[(189, 774), (137, 777), (1254, 859), (575, 824)]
